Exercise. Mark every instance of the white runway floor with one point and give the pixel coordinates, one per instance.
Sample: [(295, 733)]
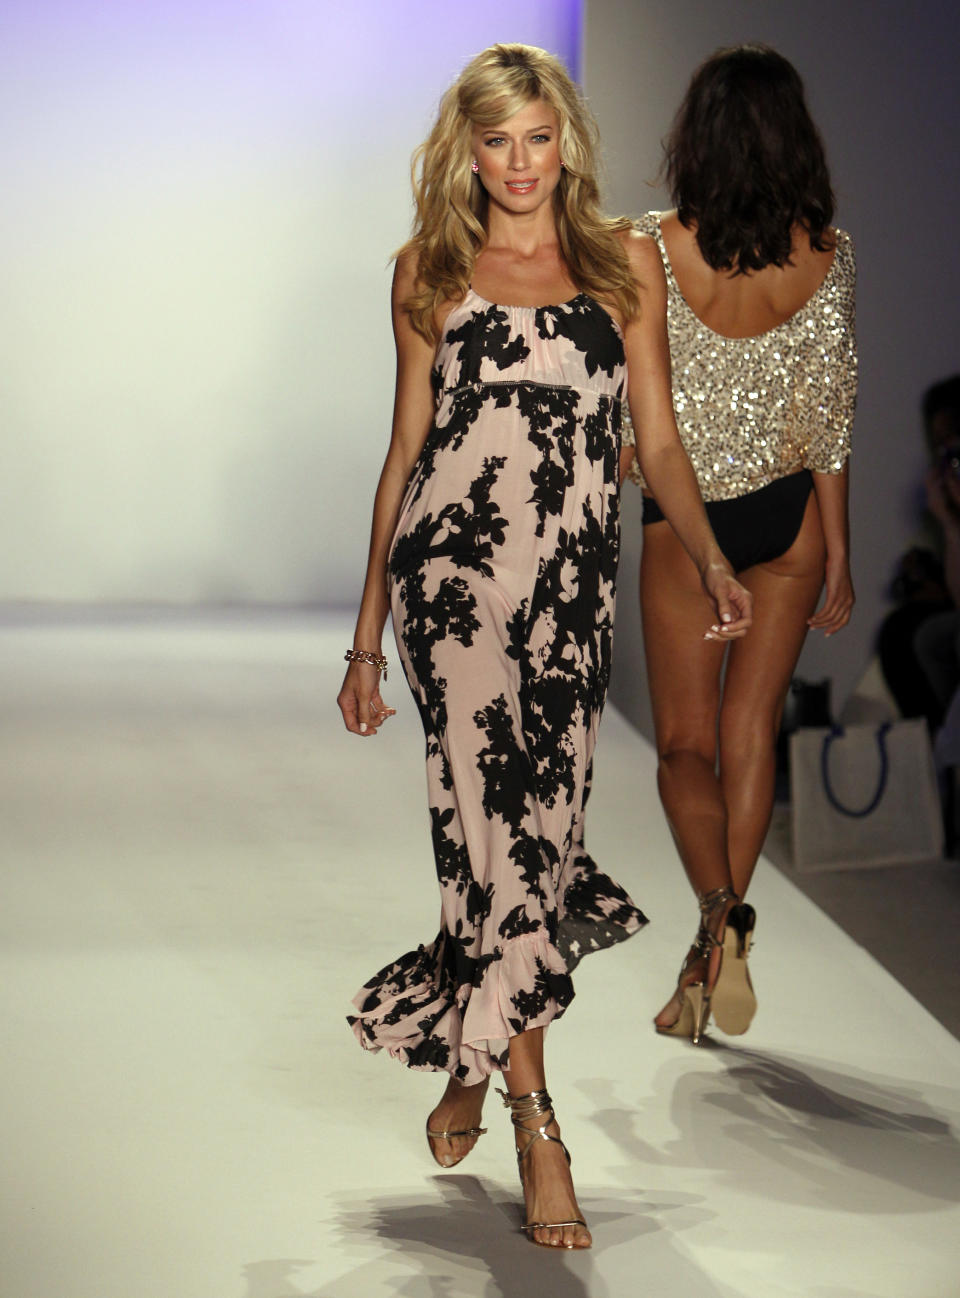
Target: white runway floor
[(200, 868)]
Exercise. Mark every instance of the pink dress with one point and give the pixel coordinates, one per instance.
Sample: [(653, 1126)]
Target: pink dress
[(502, 579)]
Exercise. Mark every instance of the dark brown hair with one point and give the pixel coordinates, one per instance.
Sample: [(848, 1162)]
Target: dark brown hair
[(745, 163), (939, 398)]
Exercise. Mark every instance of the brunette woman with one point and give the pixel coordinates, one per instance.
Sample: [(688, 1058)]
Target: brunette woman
[(760, 308)]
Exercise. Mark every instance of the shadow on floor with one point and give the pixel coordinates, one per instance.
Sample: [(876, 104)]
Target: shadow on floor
[(814, 1135), (466, 1244)]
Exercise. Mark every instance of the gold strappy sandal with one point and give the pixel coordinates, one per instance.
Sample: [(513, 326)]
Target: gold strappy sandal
[(448, 1135), (537, 1104), (696, 997)]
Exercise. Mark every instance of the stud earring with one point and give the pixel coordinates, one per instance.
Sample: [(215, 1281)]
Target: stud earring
[(474, 166)]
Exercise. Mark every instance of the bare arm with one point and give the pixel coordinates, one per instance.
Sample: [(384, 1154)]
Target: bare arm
[(833, 491), (359, 699), (627, 457), (663, 461)]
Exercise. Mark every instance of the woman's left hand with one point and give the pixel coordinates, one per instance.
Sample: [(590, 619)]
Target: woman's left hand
[(838, 598), (733, 602)]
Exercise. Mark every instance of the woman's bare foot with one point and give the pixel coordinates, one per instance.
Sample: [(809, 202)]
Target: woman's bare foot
[(669, 1016), (548, 1191), (697, 969), (704, 958), (460, 1110)]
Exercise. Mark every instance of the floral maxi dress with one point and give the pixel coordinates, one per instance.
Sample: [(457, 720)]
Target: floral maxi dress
[(502, 577)]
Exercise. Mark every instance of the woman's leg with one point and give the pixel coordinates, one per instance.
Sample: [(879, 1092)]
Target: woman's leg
[(547, 1183), (683, 672), (785, 593)]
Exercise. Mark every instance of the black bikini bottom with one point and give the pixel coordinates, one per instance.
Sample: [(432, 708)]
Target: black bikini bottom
[(755, 528)]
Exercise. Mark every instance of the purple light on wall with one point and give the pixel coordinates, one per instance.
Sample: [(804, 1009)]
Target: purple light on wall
[(570, 20)]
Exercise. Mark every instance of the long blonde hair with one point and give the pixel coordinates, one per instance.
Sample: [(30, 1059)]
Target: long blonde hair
[(451, 203)]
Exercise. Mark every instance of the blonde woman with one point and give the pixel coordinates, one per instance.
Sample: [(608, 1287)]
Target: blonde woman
[(516, 306)]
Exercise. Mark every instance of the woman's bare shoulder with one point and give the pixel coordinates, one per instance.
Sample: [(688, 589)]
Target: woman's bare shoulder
[(405, 271), (645, 262), (406, 285), (644, 257)]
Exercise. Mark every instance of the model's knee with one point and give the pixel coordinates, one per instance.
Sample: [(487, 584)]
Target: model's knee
[(689, 788), (680, 755)]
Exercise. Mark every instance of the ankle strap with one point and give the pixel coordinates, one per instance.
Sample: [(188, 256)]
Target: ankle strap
[(535, 1104), (710, 904), (711, 901)]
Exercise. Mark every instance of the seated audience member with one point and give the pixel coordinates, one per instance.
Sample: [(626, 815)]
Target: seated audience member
[(916, 644)]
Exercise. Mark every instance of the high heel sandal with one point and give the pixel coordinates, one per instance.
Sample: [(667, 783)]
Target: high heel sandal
[(734, 1001), (448, 1135), (696, 998), (537, 1104)]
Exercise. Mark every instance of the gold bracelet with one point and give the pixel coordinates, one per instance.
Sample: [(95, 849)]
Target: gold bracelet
[(366, 656)]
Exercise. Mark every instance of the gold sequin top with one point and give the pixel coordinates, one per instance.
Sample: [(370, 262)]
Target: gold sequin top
[(751, 410)]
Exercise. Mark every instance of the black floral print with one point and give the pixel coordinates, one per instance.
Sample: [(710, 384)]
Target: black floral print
[(502, 580)]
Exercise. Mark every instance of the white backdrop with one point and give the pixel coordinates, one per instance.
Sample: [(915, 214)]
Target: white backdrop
[(200, 200)]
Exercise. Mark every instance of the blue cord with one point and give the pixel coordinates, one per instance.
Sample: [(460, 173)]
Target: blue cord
[(837, 733)]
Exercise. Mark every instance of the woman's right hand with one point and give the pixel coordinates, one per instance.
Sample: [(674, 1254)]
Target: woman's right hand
[(732, 602), (364, 711)]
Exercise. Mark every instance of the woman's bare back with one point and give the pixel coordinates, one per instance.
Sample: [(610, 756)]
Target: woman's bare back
[(743, 306)]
